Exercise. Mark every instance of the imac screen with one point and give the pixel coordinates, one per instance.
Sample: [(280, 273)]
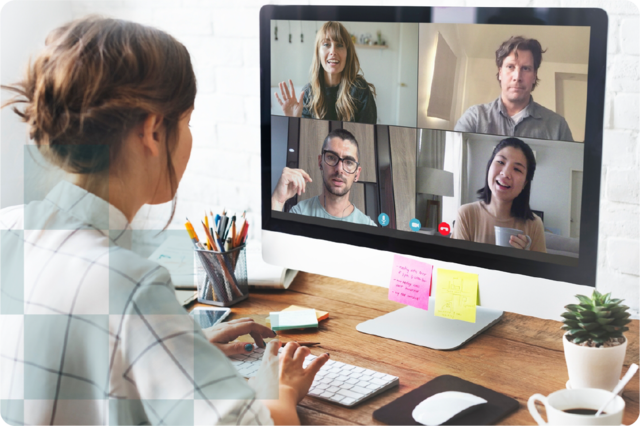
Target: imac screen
[(462, 134)]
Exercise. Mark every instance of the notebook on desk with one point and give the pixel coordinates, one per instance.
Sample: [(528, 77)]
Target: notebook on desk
[(185, 296), (176, 254)]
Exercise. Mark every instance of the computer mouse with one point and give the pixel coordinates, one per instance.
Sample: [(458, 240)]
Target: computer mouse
[(444, 406)]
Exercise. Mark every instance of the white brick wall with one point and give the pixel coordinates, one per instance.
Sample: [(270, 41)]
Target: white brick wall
[(222, 37)]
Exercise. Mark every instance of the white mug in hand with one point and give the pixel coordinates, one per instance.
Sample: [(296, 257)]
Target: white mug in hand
[(562, 407), (504, 234)]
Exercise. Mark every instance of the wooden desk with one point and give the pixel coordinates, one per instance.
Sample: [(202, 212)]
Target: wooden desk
[(518, 357)]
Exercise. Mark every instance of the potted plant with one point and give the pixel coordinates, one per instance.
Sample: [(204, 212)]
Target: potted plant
[(594, 344)]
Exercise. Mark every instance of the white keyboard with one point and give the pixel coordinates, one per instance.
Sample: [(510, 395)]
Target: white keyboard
[(337, 382)]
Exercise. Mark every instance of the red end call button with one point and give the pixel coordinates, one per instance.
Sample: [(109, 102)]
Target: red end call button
[(444, 229)]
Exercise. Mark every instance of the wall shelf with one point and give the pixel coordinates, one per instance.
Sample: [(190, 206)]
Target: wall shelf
[(370, 46)]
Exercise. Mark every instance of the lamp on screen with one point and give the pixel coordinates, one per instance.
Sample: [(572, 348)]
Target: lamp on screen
[(434, 182)]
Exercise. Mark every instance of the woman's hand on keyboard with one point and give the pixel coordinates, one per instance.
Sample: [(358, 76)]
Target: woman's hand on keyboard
[(292, 373), (222, 334)]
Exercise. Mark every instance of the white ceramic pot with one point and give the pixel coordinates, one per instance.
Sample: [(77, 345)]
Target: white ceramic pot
[(598, 368)]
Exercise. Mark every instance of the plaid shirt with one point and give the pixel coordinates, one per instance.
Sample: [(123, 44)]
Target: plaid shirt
[(93, 334)]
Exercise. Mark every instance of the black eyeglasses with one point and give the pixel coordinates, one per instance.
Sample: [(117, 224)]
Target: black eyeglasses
[(332, 159)]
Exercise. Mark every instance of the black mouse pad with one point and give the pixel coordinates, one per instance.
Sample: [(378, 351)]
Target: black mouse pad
[(398, 412)]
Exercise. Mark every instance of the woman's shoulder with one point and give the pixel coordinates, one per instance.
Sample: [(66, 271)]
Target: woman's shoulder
[(360, 85), (143, 281), (536, 222), (474, 209)]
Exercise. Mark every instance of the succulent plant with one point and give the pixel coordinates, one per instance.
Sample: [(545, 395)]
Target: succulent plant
[(597, 319)]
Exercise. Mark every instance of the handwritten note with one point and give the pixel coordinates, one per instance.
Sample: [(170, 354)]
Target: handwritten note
[(456, 295), (410, 282)]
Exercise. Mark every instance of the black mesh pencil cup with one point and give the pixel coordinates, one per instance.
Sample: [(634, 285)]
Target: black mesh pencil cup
[(225, 280)]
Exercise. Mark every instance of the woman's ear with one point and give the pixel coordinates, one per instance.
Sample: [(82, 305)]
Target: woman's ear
[(150, 134)]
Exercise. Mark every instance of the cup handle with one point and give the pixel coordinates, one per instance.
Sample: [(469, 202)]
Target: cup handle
[(531, 404), (528, 243)]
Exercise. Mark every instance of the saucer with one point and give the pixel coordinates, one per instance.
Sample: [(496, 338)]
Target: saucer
[(568, 386)]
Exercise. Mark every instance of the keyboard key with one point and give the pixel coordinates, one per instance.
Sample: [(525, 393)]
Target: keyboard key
[(333, 389), (360, 390), (326, 394), (337, 398), (348, 401), (350, 394)]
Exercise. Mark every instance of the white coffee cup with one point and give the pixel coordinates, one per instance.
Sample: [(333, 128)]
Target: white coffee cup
[(504, 234), (568, 399)]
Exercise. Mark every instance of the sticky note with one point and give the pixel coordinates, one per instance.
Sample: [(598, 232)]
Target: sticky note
[(321, 315), (293, 319), (410, 282), (456, 295)]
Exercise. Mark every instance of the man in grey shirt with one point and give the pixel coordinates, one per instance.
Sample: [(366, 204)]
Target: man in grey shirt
[(515, 113), (339, 166)]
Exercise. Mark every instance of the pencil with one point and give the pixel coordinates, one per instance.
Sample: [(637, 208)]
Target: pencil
[(239, 228), (233, 232), (304, 343), (209, 238), (242, 233), (219, 241)]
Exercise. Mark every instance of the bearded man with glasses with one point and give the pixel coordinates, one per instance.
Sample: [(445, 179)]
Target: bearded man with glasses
[(340, 168)]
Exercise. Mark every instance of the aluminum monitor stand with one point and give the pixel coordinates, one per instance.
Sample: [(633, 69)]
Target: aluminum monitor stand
[(423, 328)]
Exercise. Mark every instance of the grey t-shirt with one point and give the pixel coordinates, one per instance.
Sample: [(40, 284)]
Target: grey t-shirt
[(313, 207), (537, 122)]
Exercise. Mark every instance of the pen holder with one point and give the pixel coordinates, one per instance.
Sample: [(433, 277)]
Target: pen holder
[(224, 281)]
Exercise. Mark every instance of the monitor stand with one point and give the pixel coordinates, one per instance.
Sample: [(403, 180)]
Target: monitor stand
[(423, 328)]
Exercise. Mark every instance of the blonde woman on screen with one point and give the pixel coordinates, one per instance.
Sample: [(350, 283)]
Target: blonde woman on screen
[(337, 90), (98, 336)]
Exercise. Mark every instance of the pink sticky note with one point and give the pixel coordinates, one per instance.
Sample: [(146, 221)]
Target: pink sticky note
[(410, 282)]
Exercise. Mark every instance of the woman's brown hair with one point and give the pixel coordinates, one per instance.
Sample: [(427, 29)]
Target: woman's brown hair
[(96, 79)]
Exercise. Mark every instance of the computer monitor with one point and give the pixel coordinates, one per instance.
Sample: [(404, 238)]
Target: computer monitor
[(429, 93)]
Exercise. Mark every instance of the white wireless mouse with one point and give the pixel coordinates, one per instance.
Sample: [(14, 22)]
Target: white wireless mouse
[(443, 406)]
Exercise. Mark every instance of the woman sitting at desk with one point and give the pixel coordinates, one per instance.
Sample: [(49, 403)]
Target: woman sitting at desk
[(504, 200), (337, 90), (101, 338)]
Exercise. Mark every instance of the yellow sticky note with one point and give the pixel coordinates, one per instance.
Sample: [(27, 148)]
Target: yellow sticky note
[(321, 315), (456, 295)]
